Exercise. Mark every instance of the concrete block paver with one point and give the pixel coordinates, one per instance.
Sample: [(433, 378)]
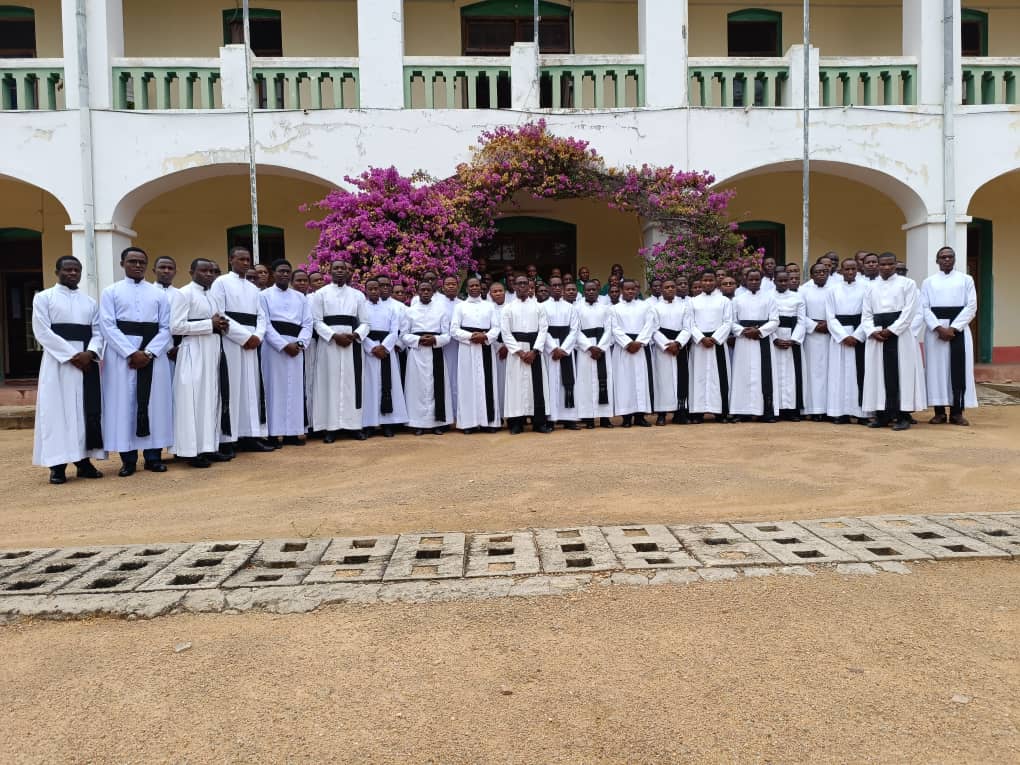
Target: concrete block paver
[(204, 566), (647, 547), (51, 572), (353, 559), (507, 553), (935, 539), (427, 556), (12, 560), (987, 528), (279, 563), (126, 570), (718, 544), (574, 550)]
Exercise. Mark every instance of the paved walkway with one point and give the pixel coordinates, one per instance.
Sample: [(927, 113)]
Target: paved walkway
[(298, 575)]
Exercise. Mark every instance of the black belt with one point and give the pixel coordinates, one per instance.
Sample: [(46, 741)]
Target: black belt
[(854, 320), (648, 366), (788, 322), (957, 355), (560, 332), (764, 346), (538, 390), (438, 379), (849, 319), (286, 328), (682, 372), (490, 398), (595, 333), (353, 322), (147, 330), (386, 392), (93, 397), (248, 320), (890, 363)]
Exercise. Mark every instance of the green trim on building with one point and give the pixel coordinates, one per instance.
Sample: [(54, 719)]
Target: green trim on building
[(969, 14), (513, 9), (985, 291), (759, 15), (8, 12), (18, 234), (236, 14)]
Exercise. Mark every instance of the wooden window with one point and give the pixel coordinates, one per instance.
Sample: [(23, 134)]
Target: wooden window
[(974, 32), (489, 28), (17, 32), (271, 244), (754, 32), (265, 26)]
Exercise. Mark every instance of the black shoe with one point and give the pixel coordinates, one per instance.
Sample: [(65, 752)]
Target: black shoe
[(679, 419), (571, 426), (605, 422), (469, 431), (589, 423), (911, 420), (769, 420), (216, 457), (641, 422), (490, 430), (516, 429), (419, 431), (902, 424), (438, 431), (227, 452), (329, 438), (660, 420), (292, 441), (358, 435), (127, 469), (58, 475), (627, 421), (877, 424), (155, 467), (199, 462), (547, 428), (862, 421), (86, 469), (272, 442), (253, 445)]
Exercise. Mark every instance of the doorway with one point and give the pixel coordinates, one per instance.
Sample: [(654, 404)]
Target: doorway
[(20, 279), (765, 235), (523, 240), (979, 266)]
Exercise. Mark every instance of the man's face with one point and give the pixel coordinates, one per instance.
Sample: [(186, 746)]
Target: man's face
[(629, 291), (372, 290), (542, 292), (240, 262), (134, 265), (769, 266), (820, 274), (708, 282), (656, 288), (753, 280), (521, 287), (683, 287), (793, 269), (871, 265), (849, 270), (165, 270), (570, 292), (617, 271), (728, 286), (281, 276), (583, 273), (340, 271), (431, 277), (204, 274), (251, 275), (315, 281), (782, 281), (532, 271), (901, 268), (668, 289), (299, 280), (556, 287), (696, 288), (474, 288), (385, 287), (264, 276), (591, 292), (497, 293), (450, 287), (425, 293), (946, 260), (69, 274), (886, 267), (399, 293)]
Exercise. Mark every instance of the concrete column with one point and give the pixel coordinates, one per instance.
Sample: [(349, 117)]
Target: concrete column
[(381, 53), (104, 22), (233, 77), (795, 57), (922, 37), (662, 40), (524, 76), (111, 239), (925, 239)]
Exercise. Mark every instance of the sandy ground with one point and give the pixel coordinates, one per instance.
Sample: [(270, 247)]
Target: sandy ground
[(498, 482), (785, 669)]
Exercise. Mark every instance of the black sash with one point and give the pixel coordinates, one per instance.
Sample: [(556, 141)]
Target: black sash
[(537, 388), (854, 320), (438, 379), (250, 320), (957, 356), (286, 328), (560, 332), (490, 400), (595, 333), (682, 371), (648, 366), (765, 352), (351, 321), (147, 330), (93, 398), (386, 393), (788, 322), (890, 364), (724, 381)]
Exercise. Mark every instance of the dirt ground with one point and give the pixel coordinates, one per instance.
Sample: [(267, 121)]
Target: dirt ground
[(498, 482), (785, 669)]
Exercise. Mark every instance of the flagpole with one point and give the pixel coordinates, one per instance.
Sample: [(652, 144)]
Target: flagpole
[(252, 179)]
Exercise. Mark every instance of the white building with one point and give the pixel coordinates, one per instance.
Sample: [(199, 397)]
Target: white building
[(342, 85)]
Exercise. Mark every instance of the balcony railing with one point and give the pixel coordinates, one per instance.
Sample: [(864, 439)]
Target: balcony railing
[(465, 82), (867, 81), (740, 82), (990, 80), (184, 83), (593, 82), (306, 83), (31, 83)]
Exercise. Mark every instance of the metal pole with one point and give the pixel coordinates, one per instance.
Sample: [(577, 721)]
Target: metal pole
[(252, 180), (537, 17), (88, 191), (948, 121), (806, 162)]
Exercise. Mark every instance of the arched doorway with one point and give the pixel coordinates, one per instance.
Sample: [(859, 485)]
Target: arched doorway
[(523, 240), (20, 279)]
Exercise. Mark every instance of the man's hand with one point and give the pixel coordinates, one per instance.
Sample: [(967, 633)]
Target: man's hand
[(81, 360), (559, 353), (822, 327), (879, 335), (945, 333), (138, 360), (220, 324), (634, 346), (172, 353), (291, 349), (427, 340), (252, 343), (752, 333), (849, 341), (380, 352), (596, 353), (707, 342), (343, 339), (479, 338), (673, 348), (503, 352), (781, 344)]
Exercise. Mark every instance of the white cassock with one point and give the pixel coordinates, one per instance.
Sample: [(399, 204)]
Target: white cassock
[(65, 322), (767, 284), (172, 294), (846, 364), (892, 303), (337, 392), (593, 391), (311, 350), (671, 374), (633, 321), (427, 387), (816, 348), (949, 300), (754, 374), (562, 373), (500, 363), (288, 320), (477, 386), (711, 316), (197, 373), (789, 363), (524, 327), (451, 349), (238, 300), (135, 316), (401, 310), (383, 330)]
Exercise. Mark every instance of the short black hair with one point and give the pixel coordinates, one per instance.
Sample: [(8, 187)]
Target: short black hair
[(887, 256), (196, 261), (128, 250), (163, 257), (297, 271), (279, 262), (63, 258), (236, 249)]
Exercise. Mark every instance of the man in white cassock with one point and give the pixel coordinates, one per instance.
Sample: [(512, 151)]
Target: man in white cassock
[(341, 322), (633, 326), (711, 321), (244, 426), (670, 357), (559, 355), (498, 298), (134, 317), (891, 356), (524, 327), (448, 298), (846, 356), (817, 342), (787, 357), (755, 320), (165, 270), (382, 389), (593, 390), (68, 411), (198, 393), (288, 334), (388, 295), (427, 387), (949, 304), (475, 326)]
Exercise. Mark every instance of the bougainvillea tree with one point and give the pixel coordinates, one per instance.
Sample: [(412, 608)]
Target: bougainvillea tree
[(388, 223)]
